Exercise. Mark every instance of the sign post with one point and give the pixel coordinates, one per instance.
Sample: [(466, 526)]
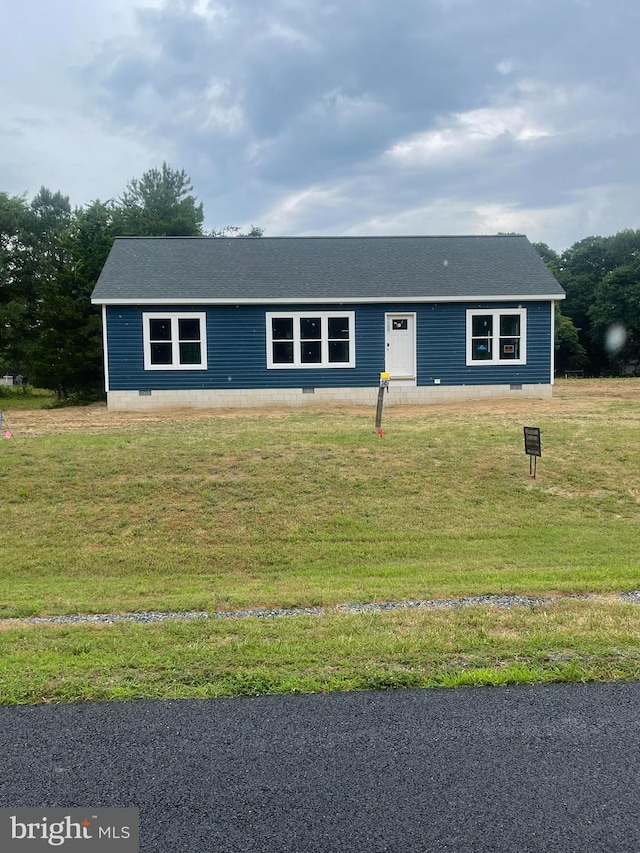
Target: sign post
[(384, 385), (533, 448)]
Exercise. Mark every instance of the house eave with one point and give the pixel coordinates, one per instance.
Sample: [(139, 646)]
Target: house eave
[(341, 300)]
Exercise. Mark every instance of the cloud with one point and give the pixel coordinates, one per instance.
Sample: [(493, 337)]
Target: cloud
[(306, 116), (315, 87), (464, 136), (47, 135), (598, 210)]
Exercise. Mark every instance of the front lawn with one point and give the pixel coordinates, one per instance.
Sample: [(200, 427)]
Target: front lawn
[(217, 511)]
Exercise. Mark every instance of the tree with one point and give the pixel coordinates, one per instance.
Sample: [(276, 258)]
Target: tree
[(581, 270), (234, 231), (549, 256), (17, 297), (32, 259), (93, 232), (159, 204), (615, 315), (51, 258), (68, 353), (45, 232), (72, 249), (569, 352)]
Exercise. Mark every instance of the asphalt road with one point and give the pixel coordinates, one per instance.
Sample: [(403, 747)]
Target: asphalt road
[(552, 768)]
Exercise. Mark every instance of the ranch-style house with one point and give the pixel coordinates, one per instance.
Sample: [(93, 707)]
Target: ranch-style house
[(225, 322)]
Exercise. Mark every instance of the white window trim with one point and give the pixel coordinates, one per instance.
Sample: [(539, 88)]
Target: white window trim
[(174, 316), (496, 313), (324, 317)]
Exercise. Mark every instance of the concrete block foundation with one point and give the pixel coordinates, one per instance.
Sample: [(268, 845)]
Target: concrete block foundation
[(145, 401)]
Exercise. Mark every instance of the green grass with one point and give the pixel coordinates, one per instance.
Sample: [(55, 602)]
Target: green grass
[(19, 397), (568, 641), (121, 513), (312, 508)]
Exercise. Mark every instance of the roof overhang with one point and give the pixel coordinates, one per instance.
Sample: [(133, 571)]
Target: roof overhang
[(340, 300)]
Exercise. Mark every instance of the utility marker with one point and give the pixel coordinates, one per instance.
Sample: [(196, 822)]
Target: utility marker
[(384, 384), (533, 448), (4, 427)]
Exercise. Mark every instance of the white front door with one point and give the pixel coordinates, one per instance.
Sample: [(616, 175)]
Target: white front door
[(400, 345)]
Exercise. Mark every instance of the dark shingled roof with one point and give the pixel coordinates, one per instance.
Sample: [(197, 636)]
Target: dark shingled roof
[(265, 269)]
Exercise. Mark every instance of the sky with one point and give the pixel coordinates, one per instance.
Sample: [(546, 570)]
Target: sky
[(313, 117)]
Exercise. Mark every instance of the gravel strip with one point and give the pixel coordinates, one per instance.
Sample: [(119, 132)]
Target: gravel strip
[(502, 601), (631, 596)]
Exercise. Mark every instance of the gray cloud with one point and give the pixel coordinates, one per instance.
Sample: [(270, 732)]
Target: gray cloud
[(318, 117)]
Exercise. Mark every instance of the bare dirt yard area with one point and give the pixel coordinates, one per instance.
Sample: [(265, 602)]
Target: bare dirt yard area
[(570, 397)]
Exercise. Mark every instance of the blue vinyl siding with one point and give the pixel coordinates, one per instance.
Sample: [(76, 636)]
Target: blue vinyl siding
[(442, 354), (236, 348)]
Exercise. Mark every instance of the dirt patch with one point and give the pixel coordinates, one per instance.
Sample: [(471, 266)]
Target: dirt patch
[(96, 418), (571, 397)]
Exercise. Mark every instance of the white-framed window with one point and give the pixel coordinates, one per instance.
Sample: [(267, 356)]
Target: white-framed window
[(309, 339), (496, 336), (174, 340)]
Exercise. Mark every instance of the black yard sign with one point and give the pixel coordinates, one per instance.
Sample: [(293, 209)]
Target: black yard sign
[(532, 447)]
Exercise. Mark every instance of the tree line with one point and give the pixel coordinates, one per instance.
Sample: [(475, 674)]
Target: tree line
[(51, 257), (50, 260), (598, 324)]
